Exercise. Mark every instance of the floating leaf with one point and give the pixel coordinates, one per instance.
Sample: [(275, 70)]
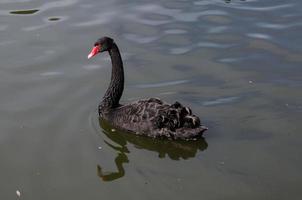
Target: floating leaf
[(24, 12)]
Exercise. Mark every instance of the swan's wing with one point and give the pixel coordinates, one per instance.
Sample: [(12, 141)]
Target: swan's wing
[(139, 115)]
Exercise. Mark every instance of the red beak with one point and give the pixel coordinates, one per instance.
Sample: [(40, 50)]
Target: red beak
[(95, 50)]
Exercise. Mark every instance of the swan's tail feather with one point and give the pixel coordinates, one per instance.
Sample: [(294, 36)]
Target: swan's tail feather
[(178, 122)]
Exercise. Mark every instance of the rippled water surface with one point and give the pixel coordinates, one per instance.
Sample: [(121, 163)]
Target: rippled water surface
[(237, 63)]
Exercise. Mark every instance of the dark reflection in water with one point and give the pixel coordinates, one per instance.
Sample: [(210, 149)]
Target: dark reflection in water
[(24, 12), (175, 150)]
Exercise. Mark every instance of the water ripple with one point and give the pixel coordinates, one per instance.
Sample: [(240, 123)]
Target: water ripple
[(258, 35), (230, 60), (192, 17), (217, 29), (139, 39), (150, 22), (225, 100), (213, 45), (47, 22), (278, 26), (268, 8), (52, 73), (162, 84), (178, 14), (180, 50), (241, 6), (102, 18), (175, 31), (153, 8), (185, 49), (58, 4), (33, 28)]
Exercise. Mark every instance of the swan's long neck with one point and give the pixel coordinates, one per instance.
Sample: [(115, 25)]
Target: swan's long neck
[(116, 87)]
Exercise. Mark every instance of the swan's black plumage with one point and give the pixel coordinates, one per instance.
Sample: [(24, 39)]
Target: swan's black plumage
[(151, 117)]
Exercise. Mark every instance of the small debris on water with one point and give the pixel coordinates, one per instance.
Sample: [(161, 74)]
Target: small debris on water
[(99, 148), (251, 82), (222, 163), (18, 193), (113, 130)]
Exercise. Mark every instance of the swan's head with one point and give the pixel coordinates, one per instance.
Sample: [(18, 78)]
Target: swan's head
[(102, 44)]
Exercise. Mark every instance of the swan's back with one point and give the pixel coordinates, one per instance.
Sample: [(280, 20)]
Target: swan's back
[(155, 118)]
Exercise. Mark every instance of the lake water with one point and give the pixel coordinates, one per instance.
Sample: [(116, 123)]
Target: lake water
[(236, 63)]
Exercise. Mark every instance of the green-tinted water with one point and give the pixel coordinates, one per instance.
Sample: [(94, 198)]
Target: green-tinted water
[(236, 63)]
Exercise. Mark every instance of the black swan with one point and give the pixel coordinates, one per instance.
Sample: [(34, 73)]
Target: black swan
[(150, 117)]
